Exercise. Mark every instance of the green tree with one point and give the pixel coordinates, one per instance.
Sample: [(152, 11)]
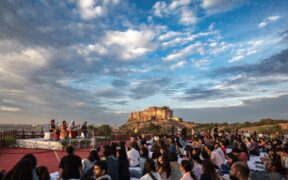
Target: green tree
[(103, 130)]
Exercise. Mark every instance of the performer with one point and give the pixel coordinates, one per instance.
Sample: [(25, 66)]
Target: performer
[(52, 126), (64, 133), (85, 129), (73, 129)]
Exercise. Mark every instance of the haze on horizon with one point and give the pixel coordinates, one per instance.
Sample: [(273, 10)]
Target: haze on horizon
[(99, 60)]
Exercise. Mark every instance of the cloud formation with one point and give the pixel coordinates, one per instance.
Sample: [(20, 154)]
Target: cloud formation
[(267, 21), (98, 60)]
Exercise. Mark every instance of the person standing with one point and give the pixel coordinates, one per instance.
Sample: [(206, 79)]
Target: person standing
[(70, 166), (84, 129)]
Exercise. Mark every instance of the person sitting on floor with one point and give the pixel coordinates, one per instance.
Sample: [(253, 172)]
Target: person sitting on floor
[(133, 155), (186, 168), (240, 171), (22, 170), (100, 171), (150, 172), (70, 166)]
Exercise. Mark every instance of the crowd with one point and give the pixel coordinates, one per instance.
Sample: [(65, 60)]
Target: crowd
[(208, 155)]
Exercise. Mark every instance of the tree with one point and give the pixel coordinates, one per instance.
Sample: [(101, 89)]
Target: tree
[(103, 130)]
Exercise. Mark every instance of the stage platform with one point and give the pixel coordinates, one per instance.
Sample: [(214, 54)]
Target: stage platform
[(41, 143)]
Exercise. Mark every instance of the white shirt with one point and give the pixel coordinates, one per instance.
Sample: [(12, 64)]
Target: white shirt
[(216, 159), (186, 176), (134, 157), (148, 177)]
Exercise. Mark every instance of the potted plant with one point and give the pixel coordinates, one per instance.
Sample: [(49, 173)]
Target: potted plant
[(64, 143), (74, 143), (10, 141), (85, 143)]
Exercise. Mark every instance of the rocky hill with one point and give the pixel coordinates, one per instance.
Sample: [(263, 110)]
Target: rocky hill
[(162, 116)]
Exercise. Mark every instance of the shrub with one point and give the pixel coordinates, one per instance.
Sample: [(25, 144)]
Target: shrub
[(85, 142), (10, 141), (73, 142), (64, 142)]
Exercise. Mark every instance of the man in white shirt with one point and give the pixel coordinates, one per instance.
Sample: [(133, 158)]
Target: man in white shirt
[(215, 157), (133, 155)]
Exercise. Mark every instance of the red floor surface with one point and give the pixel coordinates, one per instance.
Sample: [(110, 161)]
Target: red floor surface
[(10, 156)]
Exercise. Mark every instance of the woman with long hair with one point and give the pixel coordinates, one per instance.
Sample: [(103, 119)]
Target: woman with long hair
[(123, 162), (43, 173), (209, 171), (186, 168), (163, 167), (22, 170), (90, 161), (149, 172)]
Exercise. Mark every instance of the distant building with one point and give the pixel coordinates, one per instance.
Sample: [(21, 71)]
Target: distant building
[(152, 113)]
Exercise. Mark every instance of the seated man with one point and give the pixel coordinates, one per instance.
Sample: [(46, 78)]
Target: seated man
[(100, 171), (70, 166), (239, 170)]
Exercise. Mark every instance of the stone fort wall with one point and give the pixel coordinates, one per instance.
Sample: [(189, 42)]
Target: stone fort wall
[(152, 113)]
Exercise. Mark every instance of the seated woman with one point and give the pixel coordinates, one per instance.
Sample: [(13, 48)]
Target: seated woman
[(149, 172), (186, 168), (163, 167), (88, 164)]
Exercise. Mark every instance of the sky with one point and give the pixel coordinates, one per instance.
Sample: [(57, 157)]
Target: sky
[(99, 60)]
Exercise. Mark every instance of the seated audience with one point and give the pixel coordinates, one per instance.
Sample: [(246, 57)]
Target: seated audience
[(209, 171), (70, 166), (124, 173), (113, 165), (175, 166), (100, 171), (133, 155), (88, 164), (239, 171), (150, 172), (163, 167), (186, 168), (22, 170), (43, 173)]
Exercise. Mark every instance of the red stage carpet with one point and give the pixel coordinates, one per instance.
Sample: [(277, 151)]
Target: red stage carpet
[(49, 158)]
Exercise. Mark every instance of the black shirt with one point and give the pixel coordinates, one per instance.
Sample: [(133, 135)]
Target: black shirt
[(70, 165), (124, 173)]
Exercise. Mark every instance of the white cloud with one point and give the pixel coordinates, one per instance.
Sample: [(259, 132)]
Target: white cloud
[(127, 45), (168, 35), (247, 49), (179, 64), (187, 17), (184, 38), (18, 61), (90, 9), (268, 21), (178, 3), (160, 9), (179, 8), (9, 109), (191, 49), (201, 63), (217, 6)]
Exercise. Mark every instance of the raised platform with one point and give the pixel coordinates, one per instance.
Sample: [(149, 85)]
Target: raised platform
[(41, 143)]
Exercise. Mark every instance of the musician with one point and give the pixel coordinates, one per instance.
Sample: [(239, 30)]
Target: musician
[(73, 130), (52, 126), (64, 132), (85, 129)]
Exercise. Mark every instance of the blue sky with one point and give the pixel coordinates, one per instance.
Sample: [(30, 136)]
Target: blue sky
[(99, 60)]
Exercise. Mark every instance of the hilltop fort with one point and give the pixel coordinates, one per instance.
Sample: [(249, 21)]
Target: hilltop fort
[(156, 115)]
